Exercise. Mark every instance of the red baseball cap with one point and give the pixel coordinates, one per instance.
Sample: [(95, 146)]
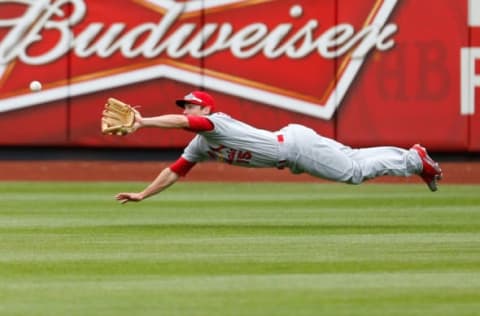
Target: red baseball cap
[(199, 98)]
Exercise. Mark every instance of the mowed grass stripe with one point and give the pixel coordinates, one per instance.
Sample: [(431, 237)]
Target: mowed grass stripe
[(239, 249)]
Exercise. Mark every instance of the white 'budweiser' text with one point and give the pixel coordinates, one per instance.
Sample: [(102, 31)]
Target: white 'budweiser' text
[(149, 40)]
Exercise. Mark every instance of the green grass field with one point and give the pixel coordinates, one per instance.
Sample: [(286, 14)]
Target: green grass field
[(239, 249)]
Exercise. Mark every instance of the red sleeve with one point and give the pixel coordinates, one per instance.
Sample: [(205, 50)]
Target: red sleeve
[(199, 124), (182, 166)]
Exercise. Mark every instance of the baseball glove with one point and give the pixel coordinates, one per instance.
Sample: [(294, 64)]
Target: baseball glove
[(118, 118)]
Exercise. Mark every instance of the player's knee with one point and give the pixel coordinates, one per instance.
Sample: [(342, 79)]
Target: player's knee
[(356, 175)]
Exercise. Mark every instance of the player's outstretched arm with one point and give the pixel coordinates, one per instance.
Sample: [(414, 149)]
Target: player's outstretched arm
[(165, 179), (163, 121)]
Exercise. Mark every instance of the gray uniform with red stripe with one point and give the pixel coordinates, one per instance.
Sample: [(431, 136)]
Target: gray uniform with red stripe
[(236, 143), (299, 148)]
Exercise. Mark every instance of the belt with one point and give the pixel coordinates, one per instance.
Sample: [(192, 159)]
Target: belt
[(281, 164)]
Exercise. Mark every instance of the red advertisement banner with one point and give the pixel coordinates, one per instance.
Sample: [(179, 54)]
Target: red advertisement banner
[(366, 72)]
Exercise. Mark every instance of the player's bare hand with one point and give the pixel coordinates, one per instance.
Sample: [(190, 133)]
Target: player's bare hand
[(128, 197)]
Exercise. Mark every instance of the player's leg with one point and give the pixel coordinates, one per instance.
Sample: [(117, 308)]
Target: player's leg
[(335, 161), (326, 158), (380, 161)]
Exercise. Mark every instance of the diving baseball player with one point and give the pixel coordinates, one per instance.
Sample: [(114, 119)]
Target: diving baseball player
[(225, 139)]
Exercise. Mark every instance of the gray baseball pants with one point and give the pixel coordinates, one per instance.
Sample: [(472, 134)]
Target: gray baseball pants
[(307, 151)]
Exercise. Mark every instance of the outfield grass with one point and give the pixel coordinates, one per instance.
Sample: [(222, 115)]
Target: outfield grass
[(239, 249)]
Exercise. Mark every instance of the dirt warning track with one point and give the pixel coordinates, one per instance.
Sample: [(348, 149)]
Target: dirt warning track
[(75, 170)]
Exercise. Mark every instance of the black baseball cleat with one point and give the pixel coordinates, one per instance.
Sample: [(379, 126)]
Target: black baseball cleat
[(431, 171)]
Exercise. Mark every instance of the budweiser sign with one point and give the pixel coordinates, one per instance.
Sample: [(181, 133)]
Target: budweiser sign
[(176, 40)]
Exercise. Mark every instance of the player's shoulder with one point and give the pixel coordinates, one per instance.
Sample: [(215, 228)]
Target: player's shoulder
[(220, 118), (219, 115)]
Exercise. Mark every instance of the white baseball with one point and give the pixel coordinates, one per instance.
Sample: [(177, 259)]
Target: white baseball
[(296, 11), (35, 86)]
